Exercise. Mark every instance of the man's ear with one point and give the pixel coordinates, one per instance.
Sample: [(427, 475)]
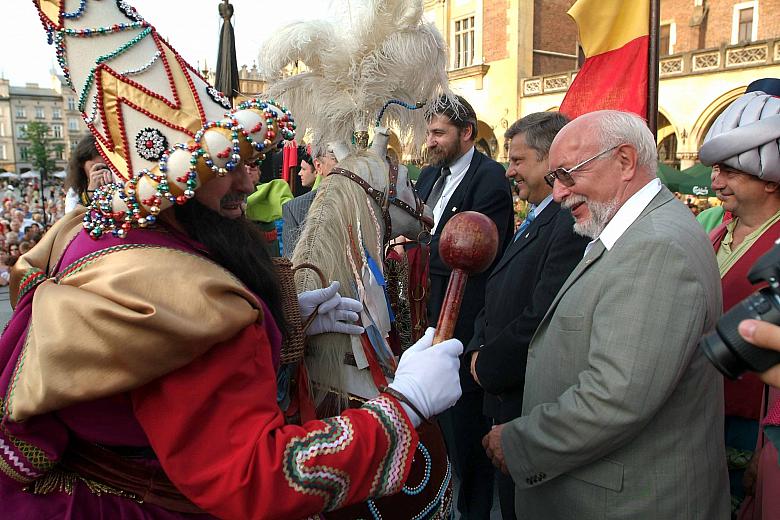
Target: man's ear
[(771, 187), (627, 158)]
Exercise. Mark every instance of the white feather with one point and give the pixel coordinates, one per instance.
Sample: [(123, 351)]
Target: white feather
[(386, 52)]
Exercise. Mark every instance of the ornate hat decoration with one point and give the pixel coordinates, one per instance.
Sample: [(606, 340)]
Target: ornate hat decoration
[(387, 53), (161, 128), (746, 136)]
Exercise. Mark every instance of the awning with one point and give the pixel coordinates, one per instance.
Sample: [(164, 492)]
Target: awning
[(693, 181)]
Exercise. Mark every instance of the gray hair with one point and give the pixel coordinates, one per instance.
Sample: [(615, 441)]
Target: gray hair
[(614, 128), (539, 129)]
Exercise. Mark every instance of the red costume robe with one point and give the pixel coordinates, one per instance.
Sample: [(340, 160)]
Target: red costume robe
[(743, 396), (212, 423)]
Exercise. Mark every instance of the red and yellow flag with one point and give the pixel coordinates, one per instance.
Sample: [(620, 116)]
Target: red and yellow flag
[(615, 38)]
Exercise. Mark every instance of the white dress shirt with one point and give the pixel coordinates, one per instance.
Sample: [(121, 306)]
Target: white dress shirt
[(458, 170), (626, 215)]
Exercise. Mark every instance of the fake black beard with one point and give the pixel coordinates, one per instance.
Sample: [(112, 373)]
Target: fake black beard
[(237, 245)]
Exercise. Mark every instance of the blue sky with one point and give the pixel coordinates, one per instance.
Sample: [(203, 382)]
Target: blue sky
[(192, 26)]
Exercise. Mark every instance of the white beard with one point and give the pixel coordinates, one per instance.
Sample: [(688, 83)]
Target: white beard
[(600, 215)]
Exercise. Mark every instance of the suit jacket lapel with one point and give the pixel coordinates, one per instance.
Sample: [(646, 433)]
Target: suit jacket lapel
[(427, 182), (597, 250), (454, 204), (536, 227)]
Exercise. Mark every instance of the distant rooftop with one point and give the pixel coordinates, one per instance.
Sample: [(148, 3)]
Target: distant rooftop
[(32, 89)]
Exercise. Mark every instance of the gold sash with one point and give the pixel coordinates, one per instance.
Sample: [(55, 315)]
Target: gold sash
[(119, 321)]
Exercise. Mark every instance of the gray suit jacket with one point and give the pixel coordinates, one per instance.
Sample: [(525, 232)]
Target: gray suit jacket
[(622, 412), (294, 217)]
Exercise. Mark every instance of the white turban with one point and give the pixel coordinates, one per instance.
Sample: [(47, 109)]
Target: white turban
[(746, 137)]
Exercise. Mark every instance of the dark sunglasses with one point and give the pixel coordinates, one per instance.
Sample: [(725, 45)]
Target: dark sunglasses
[(565, 175)]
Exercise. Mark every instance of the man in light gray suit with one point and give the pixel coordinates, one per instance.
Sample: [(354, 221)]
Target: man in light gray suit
[(622, 413)]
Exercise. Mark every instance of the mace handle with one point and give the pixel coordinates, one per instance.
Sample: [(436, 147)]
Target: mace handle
[(450, 308)]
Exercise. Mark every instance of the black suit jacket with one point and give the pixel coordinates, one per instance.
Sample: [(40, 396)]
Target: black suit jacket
[(485, 189), (519, 291)]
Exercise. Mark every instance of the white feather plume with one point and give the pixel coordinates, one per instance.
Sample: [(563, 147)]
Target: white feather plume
[(387, 53)]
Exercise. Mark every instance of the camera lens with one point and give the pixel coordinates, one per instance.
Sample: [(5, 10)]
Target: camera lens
[(726, 349)]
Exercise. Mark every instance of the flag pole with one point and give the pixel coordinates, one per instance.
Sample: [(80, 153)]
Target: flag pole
[(652, 66)]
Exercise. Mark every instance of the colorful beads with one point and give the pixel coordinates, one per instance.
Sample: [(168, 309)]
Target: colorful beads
[(78, 12), (400, 102), (416, 490), (143, 68), (106, 57), (99, 31)]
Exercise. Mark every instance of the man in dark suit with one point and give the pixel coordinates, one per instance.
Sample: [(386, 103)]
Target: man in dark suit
[(294, 212), (521, 287), (463, 179)]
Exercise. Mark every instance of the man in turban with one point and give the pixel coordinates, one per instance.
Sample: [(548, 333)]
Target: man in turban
[(742, 148)]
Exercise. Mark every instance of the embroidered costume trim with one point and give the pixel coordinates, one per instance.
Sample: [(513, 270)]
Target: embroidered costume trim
[(327, 482), (30, 280), (20, 460), (390, 477)]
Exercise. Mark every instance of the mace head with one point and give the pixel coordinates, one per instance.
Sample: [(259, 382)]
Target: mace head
[(469, 242)]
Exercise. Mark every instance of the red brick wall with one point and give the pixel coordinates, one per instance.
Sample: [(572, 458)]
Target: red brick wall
[(768, 19), (554, 31), (717, 26), (495, 22)]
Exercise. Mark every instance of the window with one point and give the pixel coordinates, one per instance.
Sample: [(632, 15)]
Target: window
[(59, 153), (3, 152), (745, 22), (73, 124), (74, 144), (24, 152), (39, 113), (745, 25), (57, 131), (2, 129), (21, 112), (72, 103), (666, 40), (56, 113), (464, 42), (21, 131)]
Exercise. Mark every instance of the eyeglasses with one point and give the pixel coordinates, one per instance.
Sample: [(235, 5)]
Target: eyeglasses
[(565, 175)]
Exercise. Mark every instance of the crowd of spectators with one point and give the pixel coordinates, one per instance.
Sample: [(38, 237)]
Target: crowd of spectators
[(23, 219)]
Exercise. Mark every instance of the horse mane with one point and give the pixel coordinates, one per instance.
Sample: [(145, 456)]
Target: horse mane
[(339, 219)]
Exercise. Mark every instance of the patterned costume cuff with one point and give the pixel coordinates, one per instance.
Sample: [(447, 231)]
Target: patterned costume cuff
[(402, 441)]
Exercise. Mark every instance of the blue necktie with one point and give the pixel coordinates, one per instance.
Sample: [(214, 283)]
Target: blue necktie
[(526, 223)]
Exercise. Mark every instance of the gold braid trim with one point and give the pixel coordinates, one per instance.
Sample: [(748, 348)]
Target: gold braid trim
[(9, 471), (59, 480)]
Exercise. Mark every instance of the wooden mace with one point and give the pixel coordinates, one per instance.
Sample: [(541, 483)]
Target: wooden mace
[(468, 244)]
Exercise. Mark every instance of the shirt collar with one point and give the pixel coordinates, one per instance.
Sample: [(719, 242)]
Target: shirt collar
[(546, 202), (628, 213), (462, 163)]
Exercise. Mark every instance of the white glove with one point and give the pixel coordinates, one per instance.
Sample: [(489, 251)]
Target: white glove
[(336, 313), (428, 376)]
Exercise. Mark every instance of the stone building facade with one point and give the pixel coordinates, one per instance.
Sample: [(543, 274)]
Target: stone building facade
[(525, 55)]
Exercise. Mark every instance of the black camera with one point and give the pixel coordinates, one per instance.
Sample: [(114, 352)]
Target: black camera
[(724, 347)]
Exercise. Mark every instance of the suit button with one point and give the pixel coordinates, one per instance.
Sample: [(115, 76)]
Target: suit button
[(543, 476), (528, 481)]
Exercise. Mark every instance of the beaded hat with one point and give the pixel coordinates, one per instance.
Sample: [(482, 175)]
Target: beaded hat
[(161, 128)]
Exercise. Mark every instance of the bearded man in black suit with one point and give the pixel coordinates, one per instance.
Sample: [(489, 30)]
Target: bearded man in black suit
[(461, 178)]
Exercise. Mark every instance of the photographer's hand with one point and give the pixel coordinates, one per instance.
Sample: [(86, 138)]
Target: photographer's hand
[(765, 335)]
